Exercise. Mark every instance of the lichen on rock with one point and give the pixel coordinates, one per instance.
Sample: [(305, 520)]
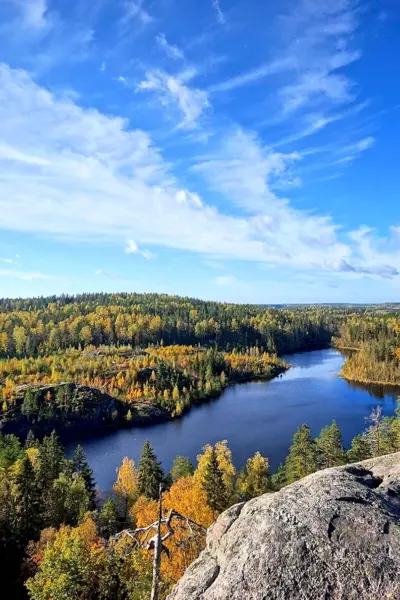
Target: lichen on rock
[(333, 535)]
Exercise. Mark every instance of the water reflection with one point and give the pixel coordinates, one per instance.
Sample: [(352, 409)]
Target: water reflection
[(375, 390), (253, 416)]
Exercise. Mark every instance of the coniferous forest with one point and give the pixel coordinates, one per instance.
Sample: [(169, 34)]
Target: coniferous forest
[(119, 360)]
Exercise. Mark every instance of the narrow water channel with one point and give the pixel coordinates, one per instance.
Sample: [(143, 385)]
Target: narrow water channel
[(253, 416)]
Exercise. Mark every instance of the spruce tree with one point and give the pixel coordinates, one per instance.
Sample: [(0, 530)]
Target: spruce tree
[(330, 447), (302, 458), (82, 468), (360, 449), (213, 484), (27, 501), (150, 473), (278, 479), (51, 459), (31, 441)]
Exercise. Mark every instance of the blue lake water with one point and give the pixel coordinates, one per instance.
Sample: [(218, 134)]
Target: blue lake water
[(252, 416)]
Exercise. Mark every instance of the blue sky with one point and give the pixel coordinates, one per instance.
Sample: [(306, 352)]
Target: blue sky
[(230, 150)]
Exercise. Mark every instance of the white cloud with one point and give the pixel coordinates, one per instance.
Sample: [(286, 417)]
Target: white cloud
[(134, 10), (318, 42), (353, 151), (22, 275), (243, 170), (34, 13), (8, 261), (109, 274), (133, 248), (171, 50), (220, 15), (148, 255), (93, 178), (174, 92), (8, 153), (253, 76), (336, 88)]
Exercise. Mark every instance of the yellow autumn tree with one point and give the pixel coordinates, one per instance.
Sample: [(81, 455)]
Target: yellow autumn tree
[(190, 500), (255, 480), (125, 487), (224, 458)]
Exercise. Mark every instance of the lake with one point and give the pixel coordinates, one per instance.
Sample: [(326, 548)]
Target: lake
[(252, 416)]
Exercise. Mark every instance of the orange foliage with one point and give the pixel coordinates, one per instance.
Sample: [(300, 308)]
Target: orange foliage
[(189, 499)]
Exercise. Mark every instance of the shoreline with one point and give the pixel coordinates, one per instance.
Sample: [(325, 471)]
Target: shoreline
[(360, 380), (370, 381), (154, 414)]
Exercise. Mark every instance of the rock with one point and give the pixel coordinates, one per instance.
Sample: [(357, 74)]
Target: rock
[(333, 535)]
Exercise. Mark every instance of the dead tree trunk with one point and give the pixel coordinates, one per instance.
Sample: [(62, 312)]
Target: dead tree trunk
[(157, 552)]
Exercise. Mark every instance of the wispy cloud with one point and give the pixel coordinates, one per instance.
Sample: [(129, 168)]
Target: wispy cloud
[(34, 13), (220, 15), (133, 248), (102, 180), (254, 75), (316, 122), (174, 92), (8, 261), (170, 49), (243, 170), (109, 274), (23, 275), (319, 38), (134, 10), (353, 151)]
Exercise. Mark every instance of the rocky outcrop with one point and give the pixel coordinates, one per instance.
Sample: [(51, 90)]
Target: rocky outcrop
[(73, 410), (333, 535)]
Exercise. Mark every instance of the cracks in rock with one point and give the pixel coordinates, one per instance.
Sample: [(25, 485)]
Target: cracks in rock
[(213, 577), (364, 476), (353, 500), (239, 508), (386, 527), (331, 525)]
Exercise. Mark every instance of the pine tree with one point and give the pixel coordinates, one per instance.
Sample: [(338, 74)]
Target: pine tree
[(27, 501), (278, 479), (82, 468), (213, 484), (51, 459), (31, 441), (330, 447), (377, 433), (150, 473), (360, 449), (302, 458)]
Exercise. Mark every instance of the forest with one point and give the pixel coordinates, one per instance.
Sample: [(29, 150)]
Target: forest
[(374, 344), (61, 537), (115, 360)]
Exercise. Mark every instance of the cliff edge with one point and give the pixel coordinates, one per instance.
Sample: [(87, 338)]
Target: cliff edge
[(333, 535)]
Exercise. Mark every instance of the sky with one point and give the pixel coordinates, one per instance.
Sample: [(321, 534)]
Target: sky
[(235, 150)]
